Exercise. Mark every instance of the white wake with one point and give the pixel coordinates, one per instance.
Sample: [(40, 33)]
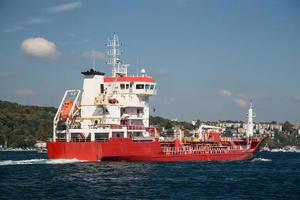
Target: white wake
[(39, 161), (286, 150), (261, 159)]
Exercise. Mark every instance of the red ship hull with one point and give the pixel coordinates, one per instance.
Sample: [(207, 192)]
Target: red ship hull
[(128, 150)]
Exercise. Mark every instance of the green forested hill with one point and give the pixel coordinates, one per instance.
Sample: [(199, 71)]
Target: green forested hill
[(21, 126)]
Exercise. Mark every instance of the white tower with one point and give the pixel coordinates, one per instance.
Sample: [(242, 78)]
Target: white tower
[(114, 57), (250, 115)]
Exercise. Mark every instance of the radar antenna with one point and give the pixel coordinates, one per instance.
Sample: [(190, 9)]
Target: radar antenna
[(114, 57)]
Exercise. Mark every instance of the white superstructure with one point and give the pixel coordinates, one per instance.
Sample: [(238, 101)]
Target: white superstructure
[(116, 106), (93, 88)]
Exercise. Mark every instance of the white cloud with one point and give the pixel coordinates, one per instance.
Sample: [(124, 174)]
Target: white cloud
[(85, 40), (242, 103), (65, 7), (243, 96), (25, 92), (224, 93), (16, 28), (39, 48), (91, 54), (36, 20), (31, 21)]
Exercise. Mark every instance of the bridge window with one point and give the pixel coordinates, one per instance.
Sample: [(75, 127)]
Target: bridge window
[(122, 86), (127, 86), (147, 87), (152, 87), (139, 86)]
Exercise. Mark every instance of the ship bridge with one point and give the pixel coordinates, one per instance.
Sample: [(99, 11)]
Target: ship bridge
[(139, 85)]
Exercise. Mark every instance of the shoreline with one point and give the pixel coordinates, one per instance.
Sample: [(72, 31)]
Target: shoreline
[(16, 150)]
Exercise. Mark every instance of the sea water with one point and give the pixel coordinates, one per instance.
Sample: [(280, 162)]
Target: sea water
[(30, 175)]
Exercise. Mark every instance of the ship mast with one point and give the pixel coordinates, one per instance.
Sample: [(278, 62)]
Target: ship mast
[(114, 57), (250, 115)]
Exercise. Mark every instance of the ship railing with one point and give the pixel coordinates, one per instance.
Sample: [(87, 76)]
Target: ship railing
[(81, 139), (101, 139), (184, 150), (78, 140), (117, 126), (135, 127), (168, 139), (97, 127), (142, 138), (61, 140)]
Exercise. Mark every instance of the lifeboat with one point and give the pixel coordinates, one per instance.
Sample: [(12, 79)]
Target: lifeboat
[(66, 109)]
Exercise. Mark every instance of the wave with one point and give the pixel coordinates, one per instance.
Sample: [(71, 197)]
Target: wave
[(261, 159), (39, 161), (286, 150)]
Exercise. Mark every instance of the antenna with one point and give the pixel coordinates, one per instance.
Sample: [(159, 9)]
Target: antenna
[(137, 66), (114, 57), (94, 62)]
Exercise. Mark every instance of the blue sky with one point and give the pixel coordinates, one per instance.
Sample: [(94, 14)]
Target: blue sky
[(209, 57)]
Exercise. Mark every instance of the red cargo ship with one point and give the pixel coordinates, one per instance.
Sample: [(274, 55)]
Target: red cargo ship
[(109, 120), (130, 150)]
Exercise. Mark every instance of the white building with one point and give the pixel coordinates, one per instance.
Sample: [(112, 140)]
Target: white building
[(40, 144)]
